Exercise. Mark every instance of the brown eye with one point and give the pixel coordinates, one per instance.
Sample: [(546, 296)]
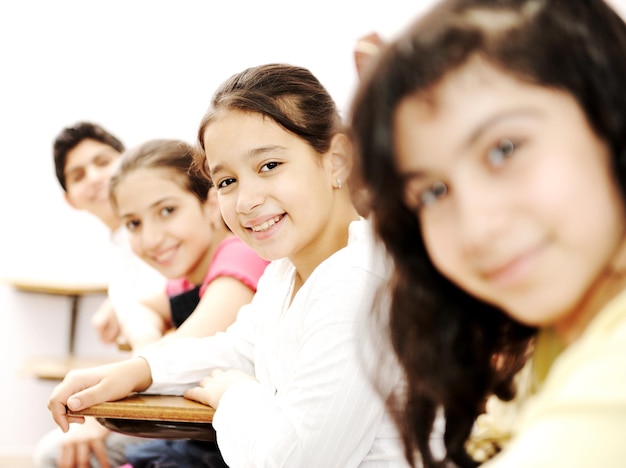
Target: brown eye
[(430, 196), (132, 225), (102, 161), (501, 152), (166, 211)]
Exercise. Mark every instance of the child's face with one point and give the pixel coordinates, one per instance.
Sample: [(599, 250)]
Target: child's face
[(528, 213), (88, 170), (274, 191), (168, 226)]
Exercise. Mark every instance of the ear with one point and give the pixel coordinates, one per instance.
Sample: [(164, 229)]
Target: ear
[(341, 159)]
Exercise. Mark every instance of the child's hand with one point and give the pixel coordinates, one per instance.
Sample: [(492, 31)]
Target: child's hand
[(212, 388), (106, 323), (87, 387), (81, 442)]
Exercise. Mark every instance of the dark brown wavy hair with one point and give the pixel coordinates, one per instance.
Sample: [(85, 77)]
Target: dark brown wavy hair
[(446, 340), (289, 95), (176, 156)]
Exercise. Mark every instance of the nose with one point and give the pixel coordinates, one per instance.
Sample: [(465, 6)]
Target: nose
[(249, 195), (151, 236), (94, 173), (482, 213)]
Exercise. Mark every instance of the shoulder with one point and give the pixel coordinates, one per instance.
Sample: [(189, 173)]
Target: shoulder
[(235, 259), (233, 250), (363, 253), (278, 271), (177, 286), (590, 372)]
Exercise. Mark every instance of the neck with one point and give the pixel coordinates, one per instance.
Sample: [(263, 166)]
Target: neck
[(334, 237), (610, 283), (201, 271)]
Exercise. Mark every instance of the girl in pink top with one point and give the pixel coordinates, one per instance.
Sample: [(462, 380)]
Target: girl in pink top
[(175, 225)]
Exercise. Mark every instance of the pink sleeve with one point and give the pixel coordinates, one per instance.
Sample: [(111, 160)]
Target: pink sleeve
[(176, 286), (235, 259)]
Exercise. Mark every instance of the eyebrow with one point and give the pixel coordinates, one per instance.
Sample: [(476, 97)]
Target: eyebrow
[(479, 131), (158, 202), (497, 119), (253, 153)]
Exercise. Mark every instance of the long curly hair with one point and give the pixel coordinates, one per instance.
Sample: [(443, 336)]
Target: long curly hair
[(456, 351)]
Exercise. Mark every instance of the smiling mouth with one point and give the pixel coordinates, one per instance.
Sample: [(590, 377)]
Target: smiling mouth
[(267, 224), (164, 256), (515, 270)]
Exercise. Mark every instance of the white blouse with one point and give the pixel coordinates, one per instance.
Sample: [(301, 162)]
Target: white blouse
[(312, 404)]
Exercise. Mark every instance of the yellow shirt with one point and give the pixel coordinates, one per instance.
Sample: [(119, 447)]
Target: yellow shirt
[(577, 417)]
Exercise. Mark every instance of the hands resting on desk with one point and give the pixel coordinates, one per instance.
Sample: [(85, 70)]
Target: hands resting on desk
[(88, 387)]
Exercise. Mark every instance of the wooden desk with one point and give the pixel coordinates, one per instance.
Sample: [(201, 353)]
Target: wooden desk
[(74, 290), (155, 416), (56, 368), (48, 368)]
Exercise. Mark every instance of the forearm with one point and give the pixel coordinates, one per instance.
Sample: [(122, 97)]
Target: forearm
[(180, 364), (142, 326)]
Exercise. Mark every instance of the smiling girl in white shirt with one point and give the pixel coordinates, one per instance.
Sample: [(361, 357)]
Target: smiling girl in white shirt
[(286, 379)]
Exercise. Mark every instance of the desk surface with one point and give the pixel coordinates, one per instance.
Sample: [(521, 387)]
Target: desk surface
[(55, 368), (54, 286), (151, 408)]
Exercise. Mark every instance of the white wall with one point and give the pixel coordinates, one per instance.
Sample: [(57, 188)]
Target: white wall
[(144, 69)]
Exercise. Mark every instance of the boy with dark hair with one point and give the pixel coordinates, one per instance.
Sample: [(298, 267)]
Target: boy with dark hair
[(85, 157)]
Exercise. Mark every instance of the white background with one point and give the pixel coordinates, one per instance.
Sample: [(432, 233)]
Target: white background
[(143, 69)]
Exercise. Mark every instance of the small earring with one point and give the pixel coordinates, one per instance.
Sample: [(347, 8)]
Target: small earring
[(339, 185)]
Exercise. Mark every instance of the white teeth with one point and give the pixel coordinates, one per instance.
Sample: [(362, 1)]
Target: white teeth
[(266, 225), (164, 256)]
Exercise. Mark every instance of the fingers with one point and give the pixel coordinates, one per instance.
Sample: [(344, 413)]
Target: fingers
[(57, 409), (86, 398), (211, 389), (60, 416), (106, 323), (88, 387), (73, 382), (82, 455), (196, 394), (109, 333), (74, 454), (215, 374), (365, 50), (76, 392), (67, 456), (108, 330), (99, 450)]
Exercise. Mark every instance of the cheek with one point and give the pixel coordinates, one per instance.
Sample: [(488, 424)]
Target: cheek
[(227, 209), (135, 244), (76, 195), (442, 248)]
